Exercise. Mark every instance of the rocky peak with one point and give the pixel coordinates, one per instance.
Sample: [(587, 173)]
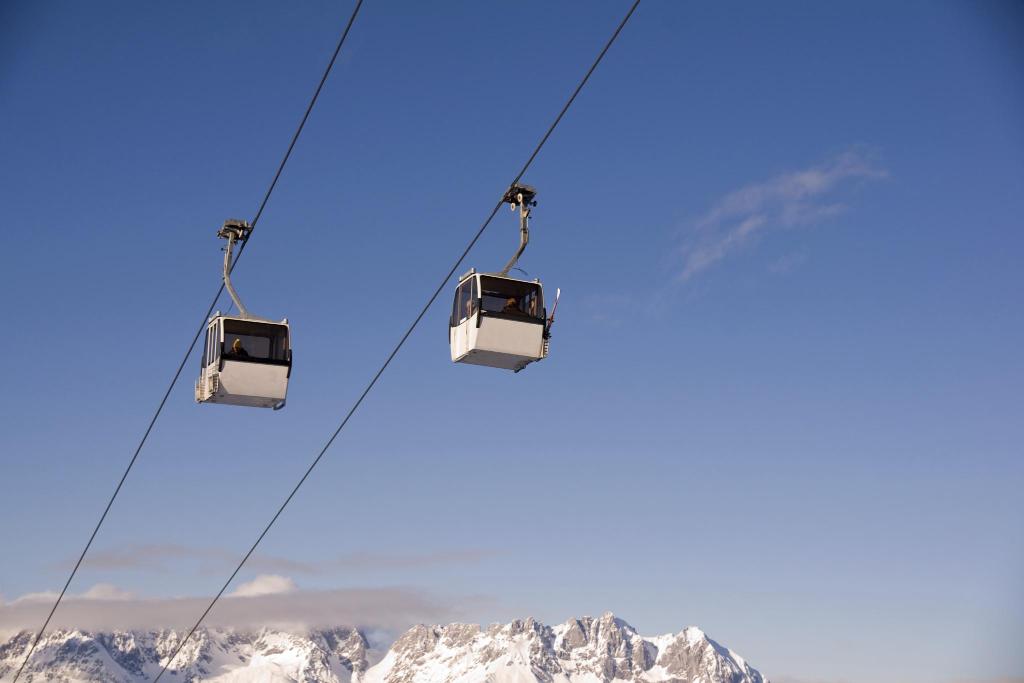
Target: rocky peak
[(605, 648)]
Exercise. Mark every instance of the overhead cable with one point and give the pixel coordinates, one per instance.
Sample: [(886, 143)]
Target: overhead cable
[(192, 345), (398, 346)]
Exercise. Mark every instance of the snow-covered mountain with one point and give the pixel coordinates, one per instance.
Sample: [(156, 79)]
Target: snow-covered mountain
[(221, 655), (584, 650)]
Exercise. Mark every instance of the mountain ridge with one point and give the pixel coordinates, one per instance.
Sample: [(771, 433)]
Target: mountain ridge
[(586, 649)]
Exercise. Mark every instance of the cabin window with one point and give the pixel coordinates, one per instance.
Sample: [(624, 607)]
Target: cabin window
[(257, 342), (513, 298), (470, 305), (465, 301), (457, 307), (205, 358), (209, 348)]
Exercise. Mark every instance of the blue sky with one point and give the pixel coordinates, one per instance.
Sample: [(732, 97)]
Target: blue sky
[(783, 401)]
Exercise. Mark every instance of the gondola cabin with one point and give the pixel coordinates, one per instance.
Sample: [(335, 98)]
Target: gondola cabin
[(498, 321), (245, 362)]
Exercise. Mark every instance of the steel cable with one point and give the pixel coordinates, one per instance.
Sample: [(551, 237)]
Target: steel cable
[(191, 346), (401, 342)]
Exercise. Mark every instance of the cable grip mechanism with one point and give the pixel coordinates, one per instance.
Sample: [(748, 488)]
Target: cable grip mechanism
[(233, 230), (521, 197)]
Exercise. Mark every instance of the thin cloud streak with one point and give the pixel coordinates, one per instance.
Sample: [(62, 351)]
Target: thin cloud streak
[(160, 557), (264, 584), (388, 609), (786, 201)]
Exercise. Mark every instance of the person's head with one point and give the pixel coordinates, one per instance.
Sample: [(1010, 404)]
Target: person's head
[(512, 302), (236, 345)]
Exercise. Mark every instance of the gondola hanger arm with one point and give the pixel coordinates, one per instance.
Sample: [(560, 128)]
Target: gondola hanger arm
[(233, 230), (521, 196)]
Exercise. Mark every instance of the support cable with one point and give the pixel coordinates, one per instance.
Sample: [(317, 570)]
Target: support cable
[(191, 346), (398, 347)]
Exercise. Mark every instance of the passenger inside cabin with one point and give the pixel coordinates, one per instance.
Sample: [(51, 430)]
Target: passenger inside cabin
[(512, 306), (238, 350)]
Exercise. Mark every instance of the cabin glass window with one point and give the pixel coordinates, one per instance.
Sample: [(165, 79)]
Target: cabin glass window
[(465, 301), (208, 347), (512, 297), (256, 341), (460, 314), (456, 306), (470, 306), (211, 343)]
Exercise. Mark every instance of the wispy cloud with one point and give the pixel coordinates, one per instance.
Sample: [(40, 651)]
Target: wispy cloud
[(101, 591), (107, 591), (41, 596), (264, 601), (788, 200), (265, 584), (140, 556), (161, 557)]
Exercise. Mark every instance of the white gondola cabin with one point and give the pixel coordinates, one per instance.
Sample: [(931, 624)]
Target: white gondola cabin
[(498, 321), (245, 362)]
